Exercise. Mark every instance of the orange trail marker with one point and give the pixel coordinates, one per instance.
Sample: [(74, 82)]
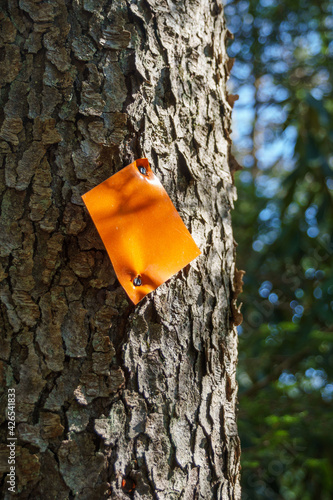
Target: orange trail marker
[(141, 229)]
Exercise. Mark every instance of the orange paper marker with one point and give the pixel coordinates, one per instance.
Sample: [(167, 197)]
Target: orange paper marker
[(141, 229)]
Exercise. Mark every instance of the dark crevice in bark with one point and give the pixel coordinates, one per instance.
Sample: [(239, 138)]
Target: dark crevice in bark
[(51, 381), (118, 332), (183, 167)]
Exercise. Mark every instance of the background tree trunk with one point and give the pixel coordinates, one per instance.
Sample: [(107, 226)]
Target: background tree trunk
[(116, 401)]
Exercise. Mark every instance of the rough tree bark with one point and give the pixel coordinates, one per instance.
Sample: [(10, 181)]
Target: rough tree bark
[(116, 401)]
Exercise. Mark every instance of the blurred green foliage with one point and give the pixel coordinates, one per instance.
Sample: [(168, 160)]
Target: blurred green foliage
[(283, 222)]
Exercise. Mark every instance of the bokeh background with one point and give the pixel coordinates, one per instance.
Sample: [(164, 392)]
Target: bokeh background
[(283, 222)]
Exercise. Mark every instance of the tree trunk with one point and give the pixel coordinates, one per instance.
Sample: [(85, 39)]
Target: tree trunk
[(115, 401)]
